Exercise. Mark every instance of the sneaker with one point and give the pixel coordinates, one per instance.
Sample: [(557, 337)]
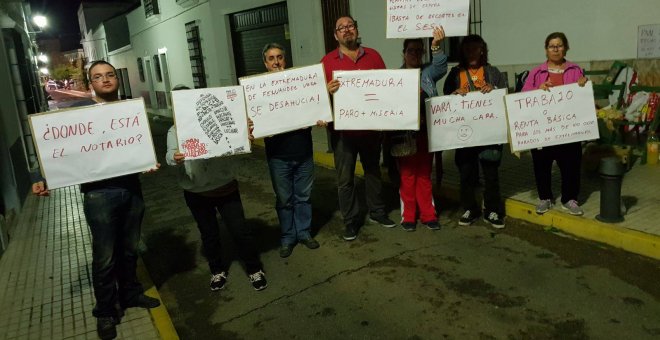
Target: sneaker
[(258, 280), (409, 226), (310, 243), (543, 206), (469, 216), (106, 327), (495, 220), (285, 251), (350, 233), (432, 225), (383, 220), (142, 301), (573, 208), (218, 281)]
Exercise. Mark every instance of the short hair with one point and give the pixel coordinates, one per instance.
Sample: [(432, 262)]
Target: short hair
[(96, 63), (180, 87), (470, 45), (410, 41), (557, 35), (347, 16), (271, 46)]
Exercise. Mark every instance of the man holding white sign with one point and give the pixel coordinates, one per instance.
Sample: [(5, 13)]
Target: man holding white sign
[(291, 163), (348, 144), (113, 209)]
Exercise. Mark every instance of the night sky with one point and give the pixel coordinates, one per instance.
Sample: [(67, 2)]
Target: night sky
[(62, 20)]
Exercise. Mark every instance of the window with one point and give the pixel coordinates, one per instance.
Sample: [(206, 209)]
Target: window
[(159, 75), (450, 46), (196, 56), (150, 8), (140, 69)]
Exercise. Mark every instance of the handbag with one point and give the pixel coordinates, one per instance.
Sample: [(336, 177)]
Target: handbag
[(403, 144)]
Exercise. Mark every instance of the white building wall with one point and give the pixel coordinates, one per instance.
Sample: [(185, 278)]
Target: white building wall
[(125, 58)]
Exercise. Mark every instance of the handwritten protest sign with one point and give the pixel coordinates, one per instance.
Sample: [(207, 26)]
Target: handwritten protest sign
[(93, 143), (562, 115), (462, 121), (648, 41), (287, 100), (211, 122), (416, 18), (377, 100)]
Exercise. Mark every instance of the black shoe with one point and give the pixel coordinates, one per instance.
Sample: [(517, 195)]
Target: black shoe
[(350, 233), (409, 226), (285, 251), (258, 280), (468, 217), (142, 301), (432, 225), (310, 243), (218, 281), (383, 220), (495, 220), (106, 327)]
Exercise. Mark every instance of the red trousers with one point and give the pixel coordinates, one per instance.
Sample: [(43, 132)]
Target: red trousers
[(416, 190)]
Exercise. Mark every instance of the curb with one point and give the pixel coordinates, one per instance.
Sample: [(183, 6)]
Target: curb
[(627, 239), (632, 241), (159, 315)]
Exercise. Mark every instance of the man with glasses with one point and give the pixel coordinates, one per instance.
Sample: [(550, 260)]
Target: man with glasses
[(347, 145), (113, 209)]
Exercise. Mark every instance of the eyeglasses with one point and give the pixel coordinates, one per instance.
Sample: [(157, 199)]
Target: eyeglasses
[(100, 77), (342, 29), (555, 47), (415, 50)]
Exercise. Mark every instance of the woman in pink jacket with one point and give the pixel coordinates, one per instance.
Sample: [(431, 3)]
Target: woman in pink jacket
[(554, 72)]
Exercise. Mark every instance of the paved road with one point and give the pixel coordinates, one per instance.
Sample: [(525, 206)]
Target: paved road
[(65, 98), (457, 283)]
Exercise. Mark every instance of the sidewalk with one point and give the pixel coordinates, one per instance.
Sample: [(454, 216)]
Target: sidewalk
[(639, 233), (45, 276)]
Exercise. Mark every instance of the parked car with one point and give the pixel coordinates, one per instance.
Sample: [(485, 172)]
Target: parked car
[(51, 85)]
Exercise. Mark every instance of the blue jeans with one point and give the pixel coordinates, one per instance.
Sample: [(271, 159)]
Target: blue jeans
[(114, 217), (292, 181)]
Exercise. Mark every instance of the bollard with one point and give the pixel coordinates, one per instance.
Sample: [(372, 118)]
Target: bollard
[(611, 176)]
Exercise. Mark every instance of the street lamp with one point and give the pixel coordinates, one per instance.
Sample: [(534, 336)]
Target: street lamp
[(40, 20), (43, 58), (44, 71)]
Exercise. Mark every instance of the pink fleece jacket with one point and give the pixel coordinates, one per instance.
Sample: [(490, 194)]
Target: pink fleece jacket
[(539, 75)]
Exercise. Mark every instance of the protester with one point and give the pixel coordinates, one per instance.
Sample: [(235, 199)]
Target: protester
[(113, 209), (557, 71), (291, 163), (209, 188), (474, 73), (416, 188), (347, 145)]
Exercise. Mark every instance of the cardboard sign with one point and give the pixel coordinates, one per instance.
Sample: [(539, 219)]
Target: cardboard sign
[(565, 114), (92, 143), (462, 121), (377, 100), (416, 19), (211, 122), (648, 41), (287, 100)]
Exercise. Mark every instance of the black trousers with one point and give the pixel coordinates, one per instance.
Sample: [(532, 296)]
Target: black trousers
[(569, 160), (204, 210), (468, 161)]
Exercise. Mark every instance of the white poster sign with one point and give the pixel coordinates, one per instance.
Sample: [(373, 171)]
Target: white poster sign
[(565, 114), (92, 143), (475, 119), (377, 100), (648, 41), (287, 100), (211, 122), (416, 19)]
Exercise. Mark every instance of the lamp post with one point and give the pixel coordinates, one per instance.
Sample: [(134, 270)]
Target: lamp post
[(40, 20)]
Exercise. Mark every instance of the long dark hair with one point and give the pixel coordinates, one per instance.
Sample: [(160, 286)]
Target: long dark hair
[(469, 47)]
